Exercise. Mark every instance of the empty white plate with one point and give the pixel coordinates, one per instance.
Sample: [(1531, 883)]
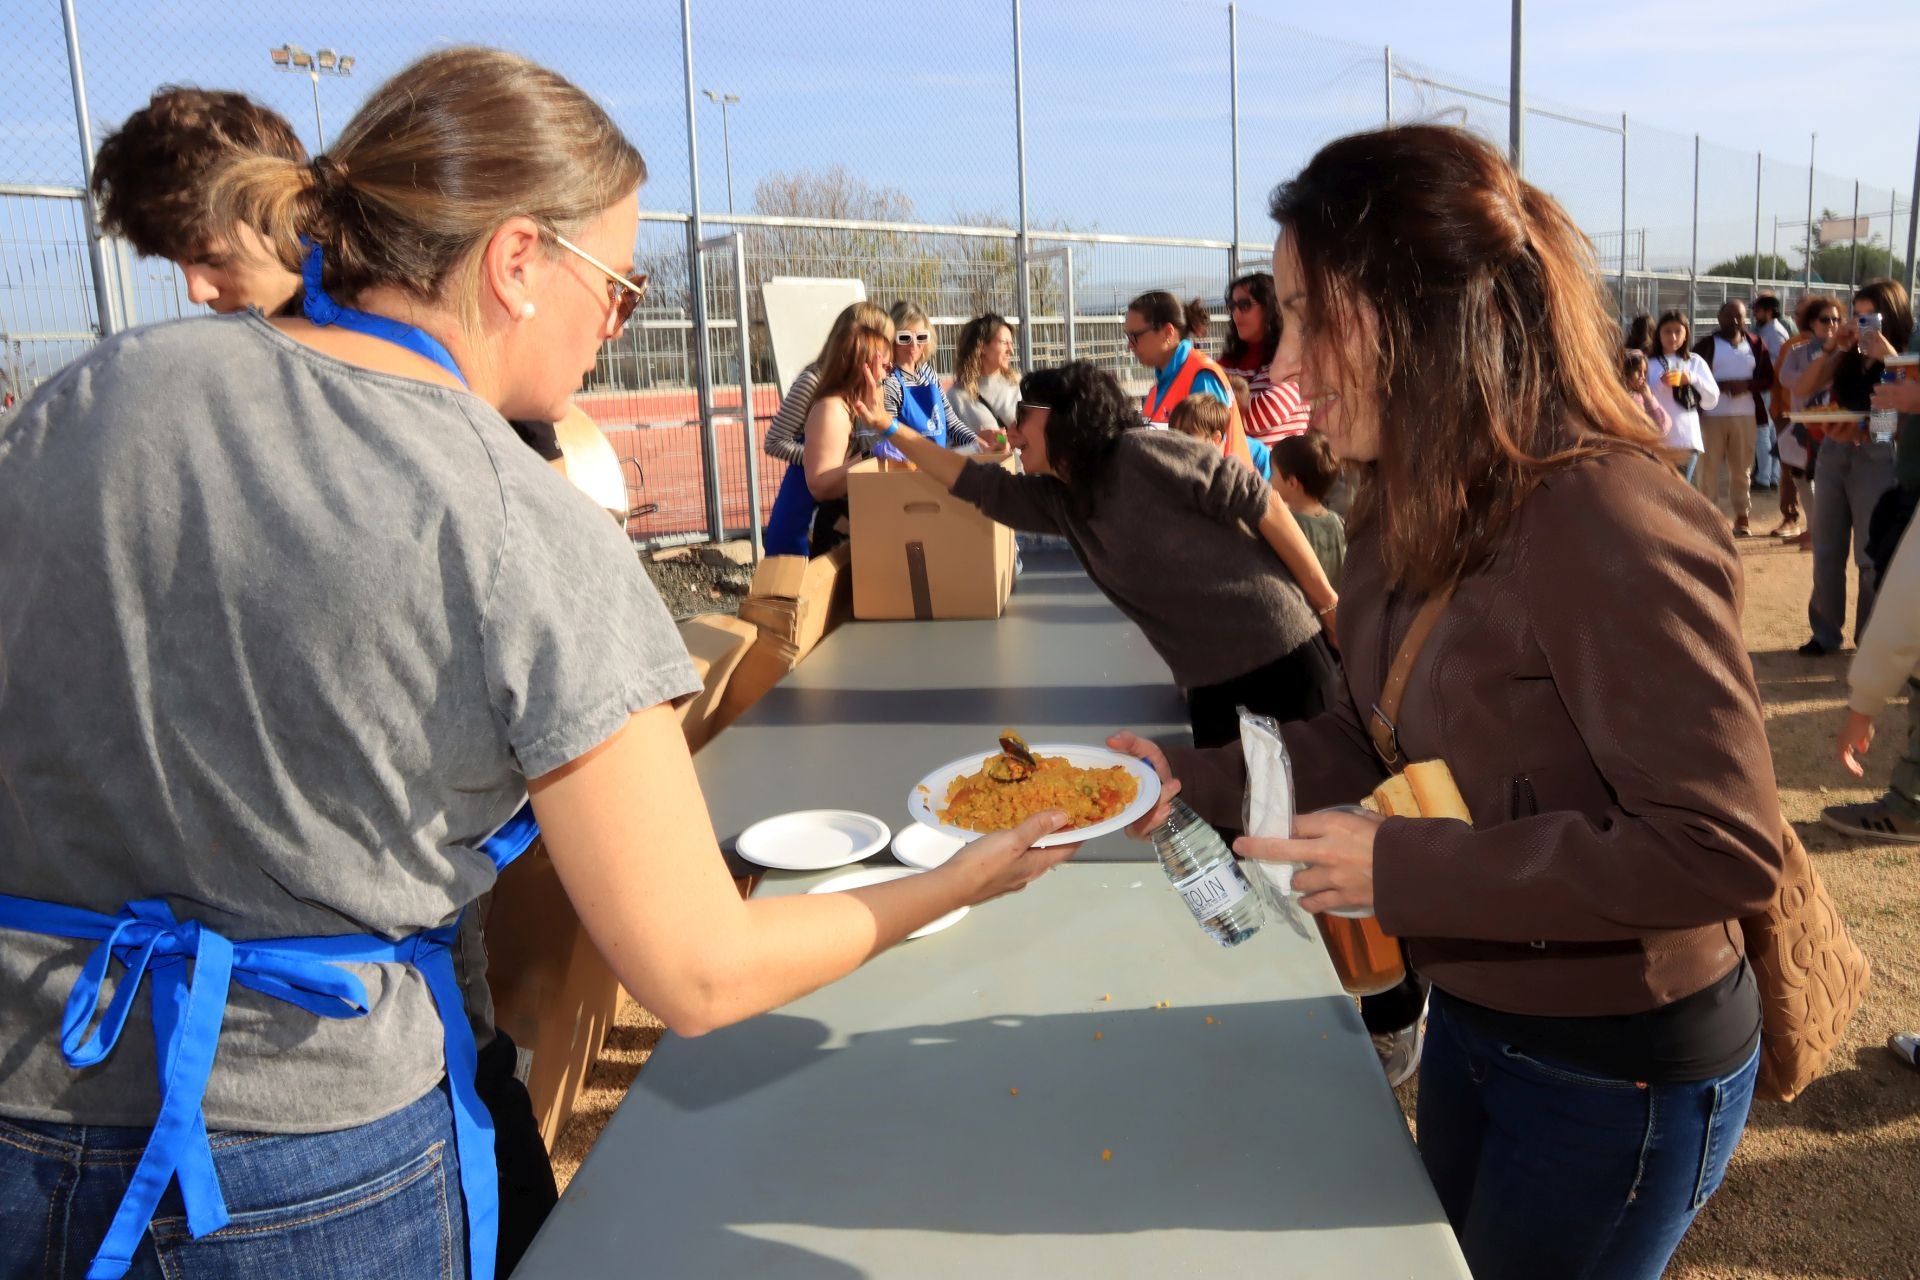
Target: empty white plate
[(813, 840), (923, 847), (880, 875)]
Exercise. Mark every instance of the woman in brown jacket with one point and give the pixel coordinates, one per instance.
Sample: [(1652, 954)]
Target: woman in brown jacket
[(1593, 1034)]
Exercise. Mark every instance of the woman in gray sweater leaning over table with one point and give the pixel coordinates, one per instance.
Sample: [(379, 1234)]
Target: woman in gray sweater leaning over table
[(1190, 544)]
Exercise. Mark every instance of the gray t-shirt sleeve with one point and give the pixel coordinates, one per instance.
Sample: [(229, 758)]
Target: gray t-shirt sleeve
[(575, 637)]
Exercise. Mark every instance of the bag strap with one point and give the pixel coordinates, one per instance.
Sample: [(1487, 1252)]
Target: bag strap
[(1383, 726)]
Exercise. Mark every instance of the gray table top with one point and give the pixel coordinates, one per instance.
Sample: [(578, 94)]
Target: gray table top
[(870, 1129), (878, 705)]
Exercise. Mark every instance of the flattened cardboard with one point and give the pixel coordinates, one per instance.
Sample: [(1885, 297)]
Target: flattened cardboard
[(551, 990), (716, 642)]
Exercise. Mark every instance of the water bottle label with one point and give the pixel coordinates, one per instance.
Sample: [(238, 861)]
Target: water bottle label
[(1209, 894)]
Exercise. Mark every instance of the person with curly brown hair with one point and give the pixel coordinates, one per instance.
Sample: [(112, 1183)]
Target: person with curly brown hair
[(151, 179)]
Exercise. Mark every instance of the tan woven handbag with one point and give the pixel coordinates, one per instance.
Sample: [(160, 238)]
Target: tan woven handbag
[(1812, 977), (1811, 974)]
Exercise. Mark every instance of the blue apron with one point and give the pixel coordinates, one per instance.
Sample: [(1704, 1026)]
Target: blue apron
[(792, 515), (189, 1002), (923, 408)]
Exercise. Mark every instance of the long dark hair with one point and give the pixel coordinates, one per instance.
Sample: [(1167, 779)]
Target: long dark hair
[(1640, 334), (1087, 414), (1889, 298), (1656, 348), (1259, 287), (1495, 361)]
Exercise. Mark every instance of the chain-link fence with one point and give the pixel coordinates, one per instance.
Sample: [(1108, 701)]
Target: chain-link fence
[(890, 151)]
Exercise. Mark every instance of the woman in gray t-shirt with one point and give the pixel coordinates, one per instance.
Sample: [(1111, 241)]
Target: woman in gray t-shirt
[(292, 623)]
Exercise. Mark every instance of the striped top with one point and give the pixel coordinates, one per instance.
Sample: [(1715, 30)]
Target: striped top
[(787, 437), (1275, 409)]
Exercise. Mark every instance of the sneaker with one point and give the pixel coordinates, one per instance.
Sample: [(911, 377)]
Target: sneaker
[(1788, 529), (1813, 649), (1400, 1051), (1742, 529), (1906, 1044), (1871, 821)]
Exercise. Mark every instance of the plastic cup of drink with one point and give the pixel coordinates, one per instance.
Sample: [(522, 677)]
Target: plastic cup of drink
[(1365, 957)]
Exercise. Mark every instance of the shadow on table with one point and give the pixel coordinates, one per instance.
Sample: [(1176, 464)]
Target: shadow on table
[(771, 1125), (788, 704)]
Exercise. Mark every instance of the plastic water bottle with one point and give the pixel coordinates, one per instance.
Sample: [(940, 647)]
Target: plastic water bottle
[(1883, 423), (1211, 883)]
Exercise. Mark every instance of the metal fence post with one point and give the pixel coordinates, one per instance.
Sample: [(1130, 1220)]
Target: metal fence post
[(697, 298), (1853, 233), (1516, 97), (1759, 162), (1233, 131), (740, 303), (1813, 147), (1693, 263), (1067, 295), (1913, 225), (1623, 217), (96, 240), (1024, 286), (1386, 63)]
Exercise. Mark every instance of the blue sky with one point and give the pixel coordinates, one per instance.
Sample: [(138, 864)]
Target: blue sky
[(1126, 100)]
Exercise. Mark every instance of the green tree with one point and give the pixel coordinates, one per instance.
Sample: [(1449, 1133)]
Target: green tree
[(1772, 267)]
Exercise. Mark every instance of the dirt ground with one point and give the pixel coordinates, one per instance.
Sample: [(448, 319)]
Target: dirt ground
[(1827, 1186)]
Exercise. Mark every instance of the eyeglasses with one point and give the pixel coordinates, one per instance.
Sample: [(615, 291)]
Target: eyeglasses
[(624, 292), (1029, 406), (1243, 304), (1829, 318), (1133, 336), (912, 339)]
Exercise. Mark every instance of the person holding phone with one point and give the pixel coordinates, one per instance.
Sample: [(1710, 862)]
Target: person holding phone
[(1854, 471)]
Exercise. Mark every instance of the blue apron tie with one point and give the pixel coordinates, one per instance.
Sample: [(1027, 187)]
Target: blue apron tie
[(320, 308), (189, 1004)]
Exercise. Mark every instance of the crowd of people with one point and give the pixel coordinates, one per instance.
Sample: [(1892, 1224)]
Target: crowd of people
[(351, 638)]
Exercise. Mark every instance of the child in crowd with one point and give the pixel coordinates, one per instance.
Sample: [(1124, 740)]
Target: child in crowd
[(1205, 418), (1634, 369), (1304, 472)]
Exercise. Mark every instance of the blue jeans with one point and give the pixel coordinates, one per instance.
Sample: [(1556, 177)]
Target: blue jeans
[(1852, 480), (1545, 1170), (382, 1199), (1766, 467)]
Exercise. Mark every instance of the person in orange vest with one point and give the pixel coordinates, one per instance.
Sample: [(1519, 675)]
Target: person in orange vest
[(1156, 332)]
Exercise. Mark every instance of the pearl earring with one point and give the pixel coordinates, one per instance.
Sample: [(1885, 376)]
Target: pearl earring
[(526, 311)]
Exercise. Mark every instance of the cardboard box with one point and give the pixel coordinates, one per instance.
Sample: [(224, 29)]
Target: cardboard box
[(716, 642), (920, 552), (551, 990), (765, 665), (799, 601)]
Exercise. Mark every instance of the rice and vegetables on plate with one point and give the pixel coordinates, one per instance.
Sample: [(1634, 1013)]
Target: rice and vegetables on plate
[(996, 797)]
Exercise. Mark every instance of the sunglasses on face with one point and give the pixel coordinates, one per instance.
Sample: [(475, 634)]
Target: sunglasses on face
[(1242, 304), (912, 339), (1827, 319), (624, 292)]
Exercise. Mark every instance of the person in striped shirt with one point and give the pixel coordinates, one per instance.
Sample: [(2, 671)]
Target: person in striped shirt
[(913, 366), (1275, 408), (786, 438)]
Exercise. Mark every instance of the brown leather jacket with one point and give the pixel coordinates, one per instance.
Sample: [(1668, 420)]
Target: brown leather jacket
[(1591, 692)]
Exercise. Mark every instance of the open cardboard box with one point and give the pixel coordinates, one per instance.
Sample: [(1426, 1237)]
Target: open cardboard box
[(919, 552)]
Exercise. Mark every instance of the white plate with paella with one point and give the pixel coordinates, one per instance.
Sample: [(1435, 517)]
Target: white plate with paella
[(1102, 791)]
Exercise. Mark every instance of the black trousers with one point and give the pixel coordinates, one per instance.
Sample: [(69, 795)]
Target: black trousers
[(1298, 686), (527, 1189)]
